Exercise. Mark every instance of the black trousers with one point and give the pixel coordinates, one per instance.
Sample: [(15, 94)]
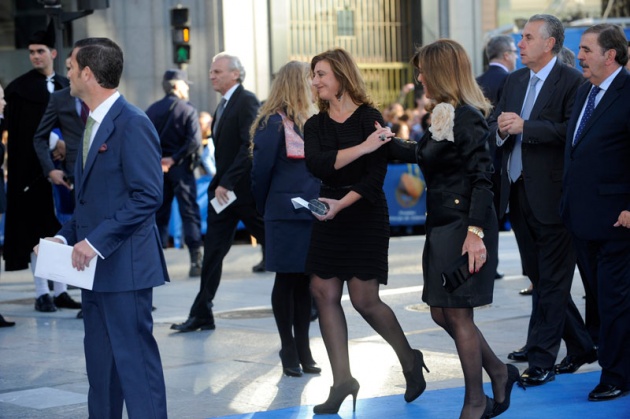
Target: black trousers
[(606, 269), (180, 182), (217, 243), (550, 264)]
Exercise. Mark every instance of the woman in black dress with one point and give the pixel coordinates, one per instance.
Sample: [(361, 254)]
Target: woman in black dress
[(454, 158), (350, 242)]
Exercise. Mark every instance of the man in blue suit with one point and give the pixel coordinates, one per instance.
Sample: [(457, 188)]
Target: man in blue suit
[(595, 203), (117, 196)]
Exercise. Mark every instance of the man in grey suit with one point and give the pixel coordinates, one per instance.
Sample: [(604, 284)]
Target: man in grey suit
[(63, 112), (595, 202), (530, 122)]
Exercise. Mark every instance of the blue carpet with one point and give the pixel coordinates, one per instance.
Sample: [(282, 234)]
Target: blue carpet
[(566, 397)]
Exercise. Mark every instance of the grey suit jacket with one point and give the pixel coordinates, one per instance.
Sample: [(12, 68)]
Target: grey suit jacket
[(61, 113), (544, 135)]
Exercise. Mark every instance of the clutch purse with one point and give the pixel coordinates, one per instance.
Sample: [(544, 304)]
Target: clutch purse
[(456, 274)]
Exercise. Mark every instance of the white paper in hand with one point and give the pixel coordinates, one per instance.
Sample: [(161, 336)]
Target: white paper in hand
[(299, 203), (54, 262), (220, 207)]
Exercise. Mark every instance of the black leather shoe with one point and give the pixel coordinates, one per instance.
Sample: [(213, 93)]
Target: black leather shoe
[(311, 368), (63, 300), (498, 275), (526, 291), (45, 304), (260, 267), (80, 314), (603, 392), (536, 376), (520, 355), (5, 323), (193, 324), (571, 364)]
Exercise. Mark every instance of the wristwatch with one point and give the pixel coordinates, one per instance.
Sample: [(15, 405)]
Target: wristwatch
[(476, 231)]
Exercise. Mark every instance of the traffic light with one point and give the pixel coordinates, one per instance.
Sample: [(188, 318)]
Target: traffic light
[(180, 29)]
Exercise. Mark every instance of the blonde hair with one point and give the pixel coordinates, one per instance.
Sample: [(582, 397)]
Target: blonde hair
[(290, 93), (347, 74), (448, 77)]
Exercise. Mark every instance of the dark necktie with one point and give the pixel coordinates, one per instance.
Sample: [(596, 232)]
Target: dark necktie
[(588, 112), (85, 111), (220, 109), (516, 158)]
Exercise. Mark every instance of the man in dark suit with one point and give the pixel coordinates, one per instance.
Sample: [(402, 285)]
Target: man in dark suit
[(233, 118), (177, 123), (501, 53), (530, 122), (117, 196), (595, 202), (30, 211)]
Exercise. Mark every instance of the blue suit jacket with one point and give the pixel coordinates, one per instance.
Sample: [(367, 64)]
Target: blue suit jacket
[(492, 81), (117, 195), (596, 182)]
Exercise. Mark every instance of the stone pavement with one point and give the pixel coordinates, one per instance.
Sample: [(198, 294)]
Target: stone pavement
[(236, 369)]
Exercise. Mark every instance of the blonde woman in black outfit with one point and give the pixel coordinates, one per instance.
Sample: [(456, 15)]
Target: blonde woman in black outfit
[(454, 158), (349, 244)]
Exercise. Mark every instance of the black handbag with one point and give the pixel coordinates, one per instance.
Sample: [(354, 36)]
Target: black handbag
[(456, 274)]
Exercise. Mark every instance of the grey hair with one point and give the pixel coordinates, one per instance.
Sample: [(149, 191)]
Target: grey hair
[(498, 45), (234, 64), (552, 28)]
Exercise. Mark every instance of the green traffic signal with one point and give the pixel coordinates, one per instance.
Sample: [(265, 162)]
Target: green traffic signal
[(182, 54)]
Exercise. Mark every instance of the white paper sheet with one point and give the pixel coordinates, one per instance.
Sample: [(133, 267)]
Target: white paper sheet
[(299, 203), (54, 262), (220, 207)]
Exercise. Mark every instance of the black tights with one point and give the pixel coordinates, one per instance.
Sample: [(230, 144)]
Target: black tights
[(332, 322), (474, 354), (291, 303)]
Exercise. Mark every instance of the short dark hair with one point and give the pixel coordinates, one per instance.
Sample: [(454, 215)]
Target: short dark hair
[(498, 45), (553, 27), (104, 57), (611, 36)]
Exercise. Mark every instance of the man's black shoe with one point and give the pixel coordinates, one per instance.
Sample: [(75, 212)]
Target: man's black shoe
[(571, 364), (80, 314), (193, 324), (536, 376), (603, 392), (498, 275), (5, 323), (45, 304), (63, 300), (519, 355), (260, 267)]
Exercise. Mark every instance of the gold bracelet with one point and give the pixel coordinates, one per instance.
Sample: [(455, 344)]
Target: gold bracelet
[(476, 231)]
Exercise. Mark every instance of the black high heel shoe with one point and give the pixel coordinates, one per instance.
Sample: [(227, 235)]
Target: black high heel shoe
[(416, 384), (310, 368), (513, 377), (337, 396), (290, 368), (488, 412)]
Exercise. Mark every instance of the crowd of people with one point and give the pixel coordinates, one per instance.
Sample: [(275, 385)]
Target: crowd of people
[(541, 144)]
